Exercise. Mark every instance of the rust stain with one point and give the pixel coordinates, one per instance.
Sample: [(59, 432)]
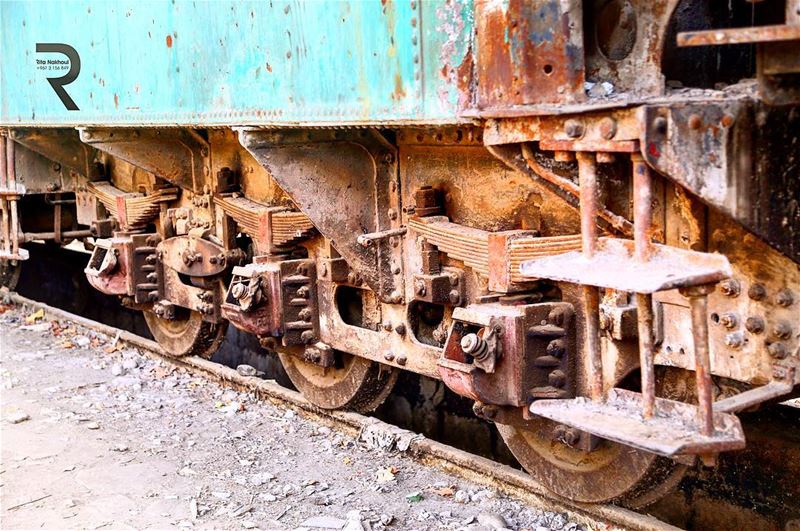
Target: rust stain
[(269, 67), (116, 101), (399, 92), (169, 41)]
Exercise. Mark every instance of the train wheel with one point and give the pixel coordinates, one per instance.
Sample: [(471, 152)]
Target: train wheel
[(355, 383), (187, 334), (9, 273), (611, 472)]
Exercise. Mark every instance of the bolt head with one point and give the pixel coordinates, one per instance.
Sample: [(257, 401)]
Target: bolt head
[(574, 128), (608, 128), (470, 342), (455, 297)]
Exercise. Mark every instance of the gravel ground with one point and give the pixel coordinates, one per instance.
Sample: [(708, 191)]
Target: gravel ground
[(95, 435)]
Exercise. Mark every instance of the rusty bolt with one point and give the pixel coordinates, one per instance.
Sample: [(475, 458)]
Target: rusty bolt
[(158, 310), (351, 277), (388, 356), (52, 187), (323, 269), (238, 290), (557, 378), (388, 158), (152, 277), (419, 287), (304, 314), (782, 330), (729, 320), (307, 336), (302, 292), (401, 359), (754, 324), (213, 260), (757, 292), (730, 288), (564, 156), (734, 340), (395, 297), (387, 327), (490, 412), (453, 279), (392, 213), (574, 128), (150, 259), (727, 120), (695, 121), (785, 298), (777, 350), (556, 348), (558, 431), (400, 329), (56, 166), (455, 297), (608, 128)]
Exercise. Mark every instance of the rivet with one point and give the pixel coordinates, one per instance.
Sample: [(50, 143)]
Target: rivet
[(757, 292), (754, 324), (777, 350), (785, 298), (730, 288)]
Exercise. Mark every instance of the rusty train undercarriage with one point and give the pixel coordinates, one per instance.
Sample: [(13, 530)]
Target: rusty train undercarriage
[(610, 283)]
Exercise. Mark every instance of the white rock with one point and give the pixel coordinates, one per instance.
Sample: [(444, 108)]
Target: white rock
[(116, 369), (221, 495), (193, 508), (82, 341), (246, 370), (492, 520), (17, 417), (129, 364), (93, 426), (461, 496), (324, 522)]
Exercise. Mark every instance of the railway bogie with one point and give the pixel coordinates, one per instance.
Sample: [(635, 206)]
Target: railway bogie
[(611, 274)]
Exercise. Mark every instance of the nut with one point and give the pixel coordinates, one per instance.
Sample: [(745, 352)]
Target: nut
[(729, 320), (730, 288), (455, 297), (734, 340)]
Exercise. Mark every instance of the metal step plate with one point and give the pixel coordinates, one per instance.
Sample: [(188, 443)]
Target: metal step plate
[(614, 266), (673, 430)]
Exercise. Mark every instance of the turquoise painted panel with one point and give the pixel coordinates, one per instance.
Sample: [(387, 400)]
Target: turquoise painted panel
[(225, 62)]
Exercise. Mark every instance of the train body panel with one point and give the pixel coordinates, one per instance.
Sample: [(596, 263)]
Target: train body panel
[(213, 63)]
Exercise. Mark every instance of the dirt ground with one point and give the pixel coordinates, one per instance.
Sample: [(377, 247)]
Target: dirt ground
[(95, 435)]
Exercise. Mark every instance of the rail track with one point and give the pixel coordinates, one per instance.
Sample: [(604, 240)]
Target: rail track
[(430, 452)]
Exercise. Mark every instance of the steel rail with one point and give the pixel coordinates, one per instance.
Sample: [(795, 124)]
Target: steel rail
[(468, 466)]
